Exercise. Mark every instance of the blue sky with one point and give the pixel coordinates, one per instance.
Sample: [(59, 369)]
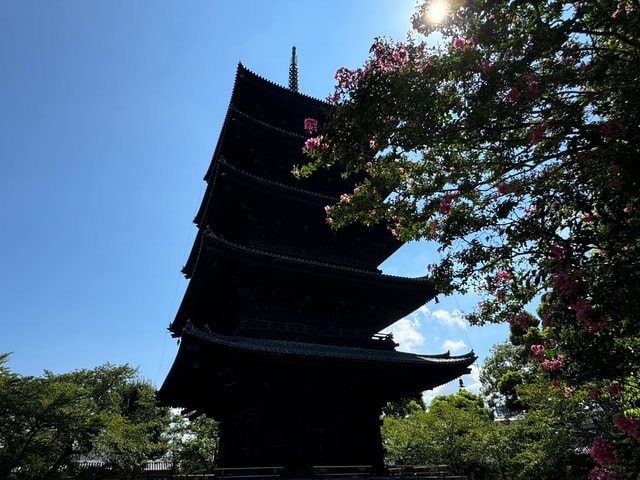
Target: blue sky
[(109, 114)]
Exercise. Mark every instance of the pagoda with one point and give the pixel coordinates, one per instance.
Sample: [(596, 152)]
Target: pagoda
[(279, 327)]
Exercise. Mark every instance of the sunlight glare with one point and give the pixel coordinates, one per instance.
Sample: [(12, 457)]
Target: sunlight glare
[(437, 11)]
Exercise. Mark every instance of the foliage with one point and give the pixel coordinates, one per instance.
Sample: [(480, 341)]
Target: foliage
[(135, 429), (404, 407), (453, 431), (47, 423), (193, 444), (512, 143)]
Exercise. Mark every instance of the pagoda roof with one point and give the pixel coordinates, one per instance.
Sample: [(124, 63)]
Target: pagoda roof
[(370, 300), (292, 210), (387, 375)]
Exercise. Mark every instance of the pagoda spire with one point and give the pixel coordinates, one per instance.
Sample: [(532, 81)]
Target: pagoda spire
[(293, 71)]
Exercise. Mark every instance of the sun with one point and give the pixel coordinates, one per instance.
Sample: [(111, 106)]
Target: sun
[(437, 11)]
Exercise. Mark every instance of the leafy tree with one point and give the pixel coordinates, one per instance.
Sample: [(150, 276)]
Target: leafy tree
[(193, 444), (47, 423), (453, 431), (404, 406), (512, 143), (135, 429)]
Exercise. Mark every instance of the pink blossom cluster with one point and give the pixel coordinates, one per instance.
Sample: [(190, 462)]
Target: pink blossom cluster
[(602, 473), (628, 425), (346, 80), (345, 198), (387, 57), (446, 203), (512, 95), (461, 43), (552, 365), (564, 284), (537, 131), (368, 167), (487, 65), (558, 251), (533, 86), (538, 352), (311, 125), (591, 318), (619, 11), (503, 276), (615, 389), (314, 143), (394, 231), (602, 452), (521, 320), (613, 128)]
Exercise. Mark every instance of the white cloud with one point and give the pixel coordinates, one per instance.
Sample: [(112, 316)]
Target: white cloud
[(406, 333), (472, 380), (453, 345), (431, 394), (451, 319)]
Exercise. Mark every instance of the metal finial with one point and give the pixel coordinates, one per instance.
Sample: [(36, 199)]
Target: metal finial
[(293, 71)]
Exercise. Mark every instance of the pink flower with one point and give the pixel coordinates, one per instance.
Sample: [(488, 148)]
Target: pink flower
[(344, 198), (314, 143), (502, 276), (613, 128), (311, 125), (567, 391), (487, 65), (533, 86), (513, 94), (582, 308), (602, 452), (594, 392), (372, 144), (628, 425), (617, 13), (601, 473), (538, 351), (537, 131), (327, 208), (615, 389), (557, 250), (329, 220), (521, 320), (459, 43), (551, 365), (446, 203), (564, 284)]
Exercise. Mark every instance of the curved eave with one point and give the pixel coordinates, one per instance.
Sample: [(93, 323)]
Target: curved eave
[(317, 351), (283, 196), (204, 357), (395, 296), (250, 144)]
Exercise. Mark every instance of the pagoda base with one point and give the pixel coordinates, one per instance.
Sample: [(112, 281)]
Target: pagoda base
[(300, 437)]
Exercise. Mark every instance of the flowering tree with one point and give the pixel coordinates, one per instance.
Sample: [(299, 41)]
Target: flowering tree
[(513, 143)]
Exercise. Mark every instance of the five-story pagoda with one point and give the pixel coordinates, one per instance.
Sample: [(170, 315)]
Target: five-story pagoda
[(279, 325)]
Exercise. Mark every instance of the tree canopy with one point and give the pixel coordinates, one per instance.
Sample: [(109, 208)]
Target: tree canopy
[(507, 133), (48, 423)]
